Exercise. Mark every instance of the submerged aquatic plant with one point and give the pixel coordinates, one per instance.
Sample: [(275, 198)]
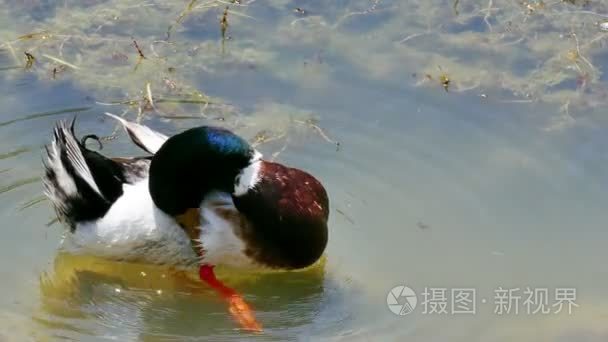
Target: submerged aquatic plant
[(506, 50)]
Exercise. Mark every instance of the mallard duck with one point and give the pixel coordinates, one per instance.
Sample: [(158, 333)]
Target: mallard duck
[(204, 197)]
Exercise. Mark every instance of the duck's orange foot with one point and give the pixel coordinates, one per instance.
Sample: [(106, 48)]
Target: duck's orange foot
[(237, 306), (243, 314)]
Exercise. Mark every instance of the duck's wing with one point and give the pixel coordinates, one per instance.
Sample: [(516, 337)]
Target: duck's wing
[(143, 136), (83, 184)]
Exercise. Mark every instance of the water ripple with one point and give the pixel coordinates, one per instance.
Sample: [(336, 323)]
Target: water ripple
[(44, 114), (19, 183), (14, 153)]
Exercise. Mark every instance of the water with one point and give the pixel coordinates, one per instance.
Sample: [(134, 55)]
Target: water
[(500, 182)]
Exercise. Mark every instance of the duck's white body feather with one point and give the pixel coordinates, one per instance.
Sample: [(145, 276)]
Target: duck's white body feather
[(134, 229), (221, 245)]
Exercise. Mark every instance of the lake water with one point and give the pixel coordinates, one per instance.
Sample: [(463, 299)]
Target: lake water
[(497, 182)]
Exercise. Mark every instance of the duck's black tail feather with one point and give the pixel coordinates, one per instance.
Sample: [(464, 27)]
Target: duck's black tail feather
[(82, 184)]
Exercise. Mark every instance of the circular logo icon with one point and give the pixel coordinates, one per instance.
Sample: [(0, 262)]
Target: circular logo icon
[(401, 300)]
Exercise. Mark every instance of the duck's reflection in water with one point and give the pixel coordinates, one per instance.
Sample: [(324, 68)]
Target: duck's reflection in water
[(130, 300)]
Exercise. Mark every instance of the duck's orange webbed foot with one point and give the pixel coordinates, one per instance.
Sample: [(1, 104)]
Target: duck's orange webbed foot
[(237, 306)]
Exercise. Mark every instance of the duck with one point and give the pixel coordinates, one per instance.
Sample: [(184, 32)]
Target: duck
[(201, 198)]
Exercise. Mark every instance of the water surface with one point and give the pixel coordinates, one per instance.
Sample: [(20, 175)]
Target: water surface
[(498, 182)]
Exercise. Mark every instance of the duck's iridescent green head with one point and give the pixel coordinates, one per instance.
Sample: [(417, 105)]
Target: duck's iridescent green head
[(191, 164)]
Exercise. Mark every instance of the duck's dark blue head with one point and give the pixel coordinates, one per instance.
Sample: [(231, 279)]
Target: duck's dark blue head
[(195, 162)]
